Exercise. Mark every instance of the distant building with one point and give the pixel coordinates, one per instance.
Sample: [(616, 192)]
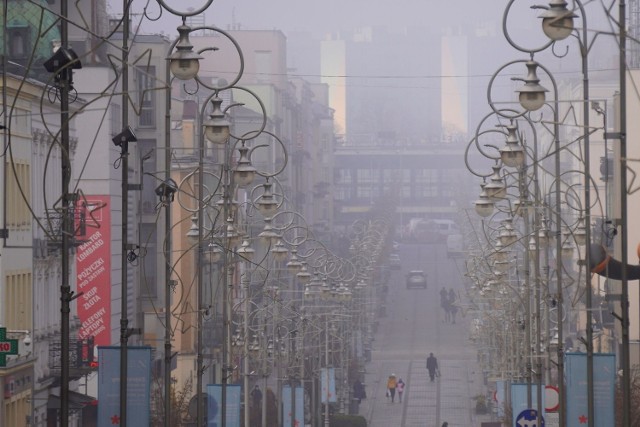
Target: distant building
[(429, 181)]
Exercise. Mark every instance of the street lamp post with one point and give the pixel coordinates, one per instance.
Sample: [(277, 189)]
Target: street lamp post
[(557, 23)]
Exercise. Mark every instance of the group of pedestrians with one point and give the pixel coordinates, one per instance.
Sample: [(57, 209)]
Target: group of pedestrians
[(395, 385), (448, 302)]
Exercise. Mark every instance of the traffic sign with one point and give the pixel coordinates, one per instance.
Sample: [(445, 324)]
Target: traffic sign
[(551, 398), (529, 418), (7, 347)]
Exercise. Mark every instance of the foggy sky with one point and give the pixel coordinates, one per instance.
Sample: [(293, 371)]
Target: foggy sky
[(328, 15), (480, 21)]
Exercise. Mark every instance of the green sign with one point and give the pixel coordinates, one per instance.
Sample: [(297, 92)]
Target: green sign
[(7, 347)]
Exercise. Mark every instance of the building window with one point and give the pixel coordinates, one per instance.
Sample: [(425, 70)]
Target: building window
[(341, 192), (263, 66), (149, 180), (18, 195), (149, 273), (17, 305), (364, 192), (18, 43), (146, 81), (344, 176), (366, 175), (116, 119), (426, 183), (450, 182)]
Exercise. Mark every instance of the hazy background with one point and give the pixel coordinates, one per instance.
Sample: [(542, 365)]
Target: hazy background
[(331, 15), (415, 68)]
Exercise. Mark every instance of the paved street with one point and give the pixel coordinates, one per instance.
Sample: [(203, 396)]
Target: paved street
[(414, 327)]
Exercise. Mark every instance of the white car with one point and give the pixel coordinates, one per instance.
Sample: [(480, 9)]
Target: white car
[(416, 279)]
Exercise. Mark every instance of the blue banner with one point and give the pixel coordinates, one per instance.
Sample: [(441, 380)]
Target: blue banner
[(519, 399), (499, 397), (328, 384), (287, 409), (604, 380), (138, 386), (299, 420), (214, 405)]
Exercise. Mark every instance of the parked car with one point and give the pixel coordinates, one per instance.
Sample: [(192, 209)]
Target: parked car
[(416, 279), (394, 261)]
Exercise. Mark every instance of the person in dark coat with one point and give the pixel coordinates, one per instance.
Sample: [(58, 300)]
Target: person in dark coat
[(256, 395), (358, 391), (444, 303), (432, 366)]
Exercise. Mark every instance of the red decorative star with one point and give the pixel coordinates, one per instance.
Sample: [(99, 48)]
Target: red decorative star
[(296, 423), (582, 419), (115, 420)]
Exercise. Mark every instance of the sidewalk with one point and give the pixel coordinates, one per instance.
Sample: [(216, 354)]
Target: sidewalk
[(425, 404)]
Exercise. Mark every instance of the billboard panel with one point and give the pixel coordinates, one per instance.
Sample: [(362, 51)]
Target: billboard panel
[(93, 267), (328, 385), (287, 406), (138, 386), (214, 405), (604, 380)]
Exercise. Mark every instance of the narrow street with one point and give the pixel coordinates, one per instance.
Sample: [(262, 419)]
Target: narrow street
[(414, 327)]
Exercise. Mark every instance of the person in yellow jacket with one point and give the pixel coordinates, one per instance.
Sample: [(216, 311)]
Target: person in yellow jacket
[(391, 386)]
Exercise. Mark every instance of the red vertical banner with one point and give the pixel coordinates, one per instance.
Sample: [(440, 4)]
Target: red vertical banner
[(93, 267)]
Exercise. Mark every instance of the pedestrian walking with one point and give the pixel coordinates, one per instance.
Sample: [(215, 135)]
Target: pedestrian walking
[(432, 366), (256, 395), (445, 424), (255, 406), (453, 308), (400, 389), (444, 303), (392, 383), (359, 391)]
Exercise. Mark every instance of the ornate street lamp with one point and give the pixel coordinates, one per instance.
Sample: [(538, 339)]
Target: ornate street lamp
[(184, 62), (484, 204), (532, 94), (216, 127), (557, 20), (512, 154)]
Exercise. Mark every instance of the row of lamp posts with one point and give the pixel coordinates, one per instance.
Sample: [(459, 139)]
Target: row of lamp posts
[(218, 235), (529, 284)]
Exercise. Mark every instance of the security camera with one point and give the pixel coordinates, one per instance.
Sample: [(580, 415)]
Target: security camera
[(27, 340)]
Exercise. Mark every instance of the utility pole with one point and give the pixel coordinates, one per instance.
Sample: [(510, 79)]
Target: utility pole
[(124, 320), (65, 289)]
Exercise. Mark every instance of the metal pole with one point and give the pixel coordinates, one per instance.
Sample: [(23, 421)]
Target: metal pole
[(124, 320), (293, 404), (245, 350), (587, 215), (625, 357), (326, 359), (226, 281), (65, 289), (199, 270), (168, 266), (558, 208), (302, 360), (264, 399)]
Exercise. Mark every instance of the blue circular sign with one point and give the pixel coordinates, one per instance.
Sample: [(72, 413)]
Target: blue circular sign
[(529, 418)]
